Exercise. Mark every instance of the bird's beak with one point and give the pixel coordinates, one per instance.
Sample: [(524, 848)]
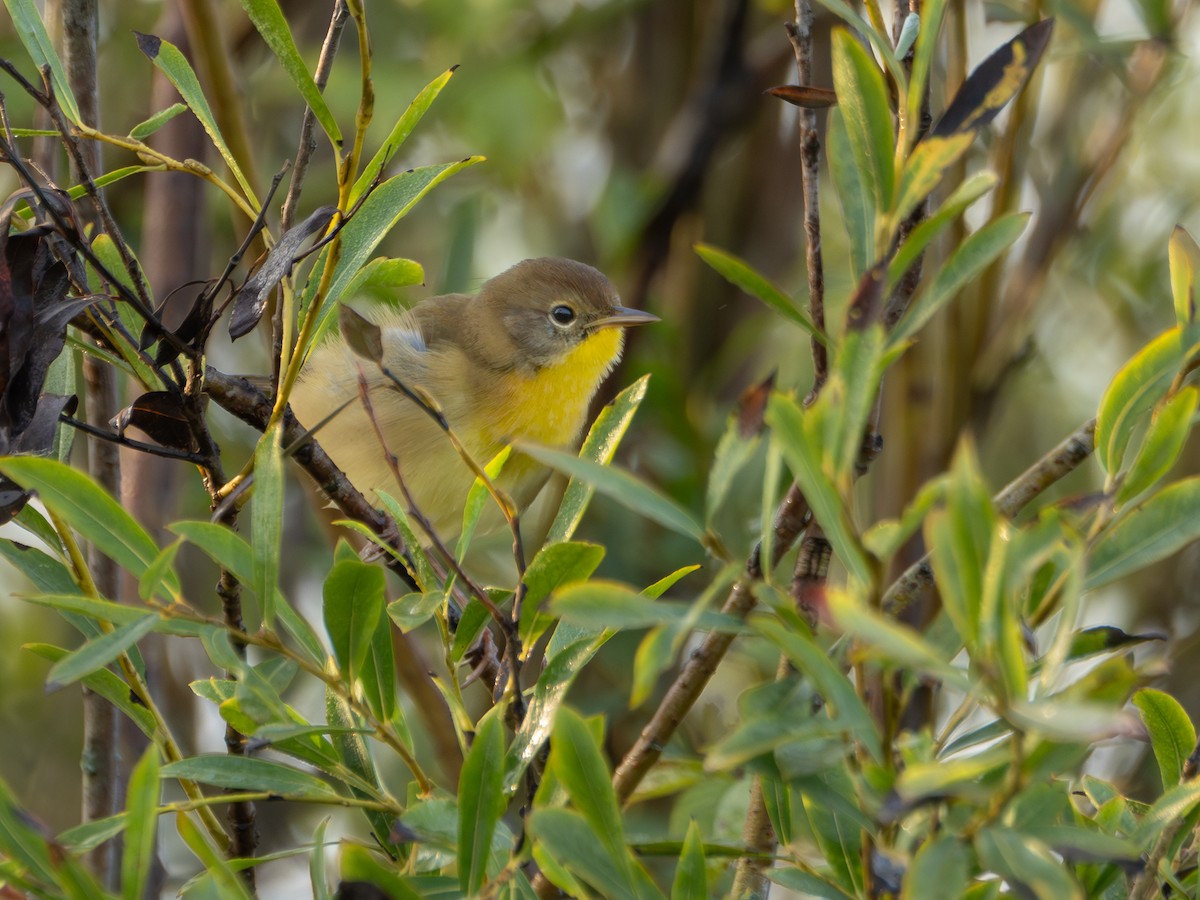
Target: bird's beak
[(623, 317)]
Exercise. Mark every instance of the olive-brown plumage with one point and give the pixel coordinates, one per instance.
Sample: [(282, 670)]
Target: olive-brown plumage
[(521, 359)]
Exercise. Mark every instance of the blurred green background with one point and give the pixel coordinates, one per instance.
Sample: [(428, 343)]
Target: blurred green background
[(621, 133)]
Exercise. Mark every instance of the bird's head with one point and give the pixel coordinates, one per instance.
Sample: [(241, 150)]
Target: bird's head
[(543, 309)]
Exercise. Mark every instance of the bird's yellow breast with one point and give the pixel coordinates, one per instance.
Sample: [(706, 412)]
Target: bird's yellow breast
[(550, 406)]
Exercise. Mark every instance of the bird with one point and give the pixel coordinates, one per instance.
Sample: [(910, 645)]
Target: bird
[(519, 360)]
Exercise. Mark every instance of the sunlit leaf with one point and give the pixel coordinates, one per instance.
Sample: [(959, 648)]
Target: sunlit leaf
[(1134, 391), (1163, 524), (1172, 735)]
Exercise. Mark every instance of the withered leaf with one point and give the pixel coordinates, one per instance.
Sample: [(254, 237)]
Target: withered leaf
[(160, 415), (752, 405), (251, 301), (362, 335), (805, 96)]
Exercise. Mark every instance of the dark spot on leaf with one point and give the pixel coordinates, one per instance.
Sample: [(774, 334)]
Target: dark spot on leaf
[(149, 44)]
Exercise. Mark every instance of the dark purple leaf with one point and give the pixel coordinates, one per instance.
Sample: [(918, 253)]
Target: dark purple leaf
[(995, 81), (160, 415), (251, 301)]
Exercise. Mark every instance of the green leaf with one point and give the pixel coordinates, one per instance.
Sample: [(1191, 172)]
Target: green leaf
[(46, 572), (144, 129), (961, 538), (842, 701), (37, 43), (1025, 863), (1183, 256), (857, 369), (141, 815), (732, 453), (572, 845), (153, 578), (477, 497), (268, 19), (107, 685), (858, 205), (379, 213), (1168, 431), (244, 773), (691, 880), (928, 230), (608, 604), (623, 487), (923, 171), (481, 801), (898, 643), (1134, 391), (88, 509), (266, 520), (600, 446), (400, 132), (316, 863), (975, 254), (803, 456), (90, 835), (739, 273), (354, 600), (358, 864), (941, 868), (863, 100), (1172, 735), (226, 883), (555, 566), (806, 884), (99, 652), (1175, 804), (230, 551), (1163, 524), (386, 274), (580, 768), (167, 58)]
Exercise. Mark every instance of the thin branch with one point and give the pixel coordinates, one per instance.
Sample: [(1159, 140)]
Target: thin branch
[(1052, 467)]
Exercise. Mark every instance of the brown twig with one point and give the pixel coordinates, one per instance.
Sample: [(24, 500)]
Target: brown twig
[(1055, 465)]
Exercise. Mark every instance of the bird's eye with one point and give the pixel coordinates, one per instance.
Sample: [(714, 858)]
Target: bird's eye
[(562, 315)]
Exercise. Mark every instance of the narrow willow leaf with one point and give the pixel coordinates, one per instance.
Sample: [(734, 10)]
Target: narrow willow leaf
[(144, 129), (691, 879), (108, 686), (167, 58), (924, 169), (359, 865), (477, 498), (230, 551), (1168, 432), (141, 816), (152, 580), (960, 538), (353, 605), (1172, 735), (555, 566), (225, 881), (90, 835), (739, 273), (266, 520), (86, 507), (600, 446), (858, 364), (1175, 804), (806, 884), (481, 801), (246, 774), (892, 640), (37, 43), (572, 847), (316, 863), (804, 458), (621, 486), (1163, 524), (1134, 391), (975, 254), (47, 573), (271, 24), (386, 273), (379, 213), (1184, 257), (400, 132), (941, 868), (1026, 863), (933, 225), (863, 100), (607, 604), (580, 767), (99, 652), (932, 14), (855, 197), (842, 700)]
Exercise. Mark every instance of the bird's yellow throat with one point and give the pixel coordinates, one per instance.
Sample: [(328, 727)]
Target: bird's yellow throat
[(550, 406)]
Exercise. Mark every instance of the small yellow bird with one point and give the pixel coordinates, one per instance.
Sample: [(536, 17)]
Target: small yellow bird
[(521, 359)]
